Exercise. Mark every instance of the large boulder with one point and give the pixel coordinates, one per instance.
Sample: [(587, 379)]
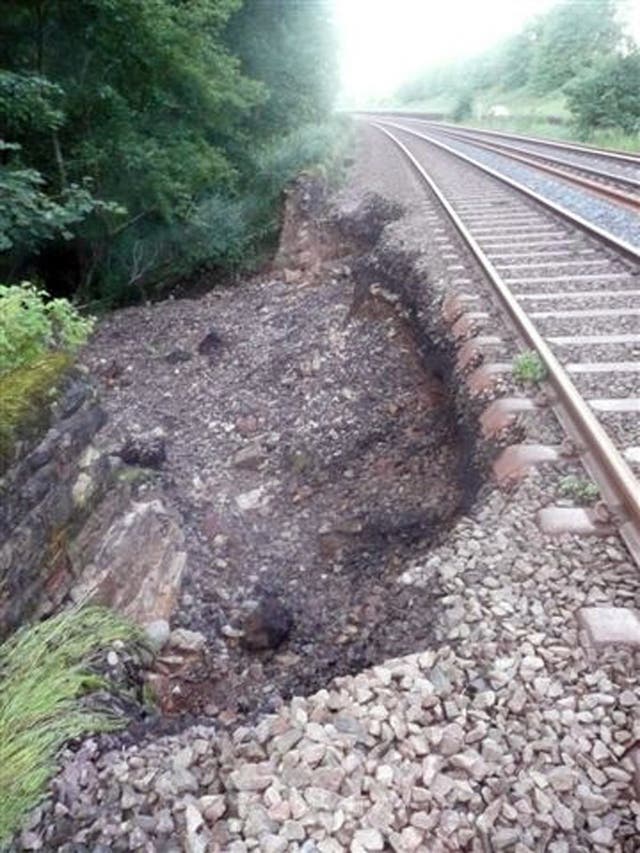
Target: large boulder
[(136, 565)]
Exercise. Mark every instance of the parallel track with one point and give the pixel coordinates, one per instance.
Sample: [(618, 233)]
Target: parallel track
[(613, 175), (518, 245), (625, 158), (616, 187)]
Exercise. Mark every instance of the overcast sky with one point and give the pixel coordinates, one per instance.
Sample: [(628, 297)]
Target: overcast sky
[(384, 42)]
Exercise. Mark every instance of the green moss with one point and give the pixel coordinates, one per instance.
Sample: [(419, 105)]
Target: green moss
[(48, 672), (25, 395)]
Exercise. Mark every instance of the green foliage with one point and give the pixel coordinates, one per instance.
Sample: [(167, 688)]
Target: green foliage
[(576, 47), (463, 108), (51, 692), (29, 217), (223, 230), (25, 394), (290, 48), (529, 367), (582, 491), (573, 36), (157, 108), (29, 104), (608, 95), (31, 325)]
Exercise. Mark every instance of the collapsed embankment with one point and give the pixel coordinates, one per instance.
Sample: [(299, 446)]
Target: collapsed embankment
[(295, 446)]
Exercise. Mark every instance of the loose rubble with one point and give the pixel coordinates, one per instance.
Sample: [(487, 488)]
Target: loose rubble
[(505, 731), (507, 735)]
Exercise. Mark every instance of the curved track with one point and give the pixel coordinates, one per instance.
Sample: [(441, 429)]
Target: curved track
[(571, 291), (610, 174), (618, 187)]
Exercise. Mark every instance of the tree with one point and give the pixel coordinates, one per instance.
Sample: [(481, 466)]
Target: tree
[(572, 37), (608, 94), (154, 107), (141, 99), (289, 46)]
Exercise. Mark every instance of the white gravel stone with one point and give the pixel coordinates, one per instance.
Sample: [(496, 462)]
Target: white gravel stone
[(368, 839), (603, 835)]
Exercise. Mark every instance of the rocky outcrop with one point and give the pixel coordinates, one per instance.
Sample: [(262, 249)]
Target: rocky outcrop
[(137, 562), (47, 492)]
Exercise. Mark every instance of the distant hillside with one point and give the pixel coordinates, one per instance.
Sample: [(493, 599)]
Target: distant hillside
[(572, 69)]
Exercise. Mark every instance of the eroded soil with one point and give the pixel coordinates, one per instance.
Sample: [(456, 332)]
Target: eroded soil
[(312, 453)]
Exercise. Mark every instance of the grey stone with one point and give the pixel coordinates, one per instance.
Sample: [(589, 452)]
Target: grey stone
[(136, 564), (157, 633), (187, 641), (369, 839), (250, 457), (252, 777)]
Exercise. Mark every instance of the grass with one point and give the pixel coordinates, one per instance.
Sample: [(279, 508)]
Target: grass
[(529, 367), (25, 393), (578, 489), (47, 674), (539, 126)]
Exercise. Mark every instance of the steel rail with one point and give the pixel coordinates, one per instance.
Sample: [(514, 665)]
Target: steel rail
[(591, 170), (608, 465), (627, 249), (522, 155), (579, 148)]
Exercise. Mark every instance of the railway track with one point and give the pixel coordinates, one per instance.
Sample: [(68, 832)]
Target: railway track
[(572, 293), (612, 175), (622, 186)]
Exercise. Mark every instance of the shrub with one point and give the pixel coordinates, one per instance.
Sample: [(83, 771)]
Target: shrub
[(31, 325), (229, 231), (463, 108), (608, 95), (51, 692)]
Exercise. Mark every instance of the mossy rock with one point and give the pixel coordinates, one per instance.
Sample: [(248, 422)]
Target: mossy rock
[(26, 394)]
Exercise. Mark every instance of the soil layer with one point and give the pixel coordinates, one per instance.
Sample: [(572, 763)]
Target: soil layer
[(312, 451)]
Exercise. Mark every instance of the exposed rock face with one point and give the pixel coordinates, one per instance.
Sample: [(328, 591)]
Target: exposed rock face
[(138, 563), (268, 625), (46, 495)]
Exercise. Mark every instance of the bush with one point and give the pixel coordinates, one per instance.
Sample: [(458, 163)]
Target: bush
[(31, 325), (608, 95), (229, 231), (50, 691), (463, 108)]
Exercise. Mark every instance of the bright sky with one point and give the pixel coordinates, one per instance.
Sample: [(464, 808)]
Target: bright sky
[(384, 42)]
